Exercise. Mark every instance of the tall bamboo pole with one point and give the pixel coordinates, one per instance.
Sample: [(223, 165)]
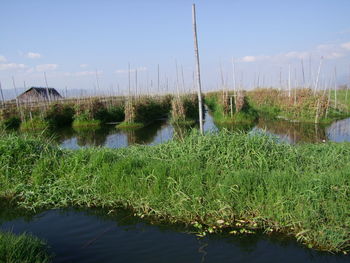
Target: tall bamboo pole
[(97, 82), (335, 87), (196, 53), (289, 84), (303, 72), (158, 79), (47, 88), (347, 90), (2, 95), (318, 75)]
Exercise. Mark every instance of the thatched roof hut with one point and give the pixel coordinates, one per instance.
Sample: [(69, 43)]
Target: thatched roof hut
[(39, 94)]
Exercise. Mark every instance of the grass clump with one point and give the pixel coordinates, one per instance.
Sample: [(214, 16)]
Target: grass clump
[(59, 115), (216, 181), (184, 109), (36, 123), (23, 248), (219, 103), (302, 106), (142, 111), (9, 118)]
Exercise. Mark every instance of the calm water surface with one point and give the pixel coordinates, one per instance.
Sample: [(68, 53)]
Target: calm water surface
[(94, 236), (161, 131)]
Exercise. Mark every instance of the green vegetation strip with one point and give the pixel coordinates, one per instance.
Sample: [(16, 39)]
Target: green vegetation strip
[(23, 248), (225, 180)]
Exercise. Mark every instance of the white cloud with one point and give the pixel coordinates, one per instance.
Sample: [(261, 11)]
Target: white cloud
[(333, 55), (327, 51), (346, 45), (253, 58), (296, 54), (84, 65), (33, 55), (122, 71), (2, 59), (46, 67), (83, 73), (12, 66), (249, 59)]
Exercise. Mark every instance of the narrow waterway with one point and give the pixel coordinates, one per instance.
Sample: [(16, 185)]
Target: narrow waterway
[(93, 236)]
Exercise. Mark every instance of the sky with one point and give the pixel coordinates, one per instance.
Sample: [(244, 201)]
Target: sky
[(86, 44)]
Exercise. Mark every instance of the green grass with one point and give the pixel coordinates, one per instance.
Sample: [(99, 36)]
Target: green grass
[(223, 180), (85, 123), (130, 125), (36, 123), (23, 248), (342, 98)]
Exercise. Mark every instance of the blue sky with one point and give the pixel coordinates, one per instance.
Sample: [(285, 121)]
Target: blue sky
[(71, 40)]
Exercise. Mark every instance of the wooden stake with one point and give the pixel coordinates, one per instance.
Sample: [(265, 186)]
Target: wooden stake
[(289, 85), (2, 95), (158, 78), (318, 75), (196, 53), (47, 88), (335, 87)]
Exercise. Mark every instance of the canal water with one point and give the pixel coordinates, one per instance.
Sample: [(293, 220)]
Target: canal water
[(162, 131), (94, 236)]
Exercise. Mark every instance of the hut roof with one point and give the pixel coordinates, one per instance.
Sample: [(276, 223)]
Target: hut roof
[(41, 92)]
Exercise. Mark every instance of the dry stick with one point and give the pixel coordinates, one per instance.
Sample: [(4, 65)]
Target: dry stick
[(158, 84), (222, 85), (335, 87), (47, 89), (183, 79), (318, 75), (136, 82), (198, 68), (289, 85), (303, 72), (17, 103), (177, 81), (281, 86), (310, 72), (295, 86), (97, 82), (347, 89), (234, 79), (2, 95)]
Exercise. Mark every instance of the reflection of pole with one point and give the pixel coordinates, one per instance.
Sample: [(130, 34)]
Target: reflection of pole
[(198, 68)]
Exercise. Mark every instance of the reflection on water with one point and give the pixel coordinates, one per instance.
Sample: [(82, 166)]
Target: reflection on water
[(294, 132), (94, 236), (339, 131), (162, 131)]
